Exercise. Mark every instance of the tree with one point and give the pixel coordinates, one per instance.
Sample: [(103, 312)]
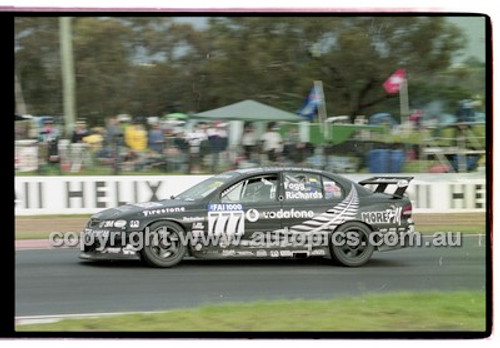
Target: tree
[(37, 64), (153, 65), (275, 56)]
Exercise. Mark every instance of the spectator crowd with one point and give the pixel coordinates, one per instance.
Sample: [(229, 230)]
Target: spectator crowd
[(126, 144)]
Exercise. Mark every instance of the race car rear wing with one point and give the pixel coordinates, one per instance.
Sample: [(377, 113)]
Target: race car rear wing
[(383, 182)]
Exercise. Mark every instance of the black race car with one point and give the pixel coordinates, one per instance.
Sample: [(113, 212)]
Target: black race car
[(261, 212)]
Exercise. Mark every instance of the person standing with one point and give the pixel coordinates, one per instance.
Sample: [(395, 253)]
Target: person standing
[(156, 139), (80, 132), (49, 138), (272, 143), (195, 138), (249, 141), (214, 145), (136, 138), (113, 143)]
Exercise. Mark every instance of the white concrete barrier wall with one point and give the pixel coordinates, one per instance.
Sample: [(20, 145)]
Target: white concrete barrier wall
[(40, 195)]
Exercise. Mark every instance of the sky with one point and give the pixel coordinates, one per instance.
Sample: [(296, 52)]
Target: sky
[(474, 30)]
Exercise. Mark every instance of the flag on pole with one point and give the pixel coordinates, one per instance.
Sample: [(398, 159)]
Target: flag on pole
[(395, 81), (310, 106)]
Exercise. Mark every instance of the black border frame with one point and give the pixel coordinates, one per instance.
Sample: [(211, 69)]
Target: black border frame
[(7, 257)]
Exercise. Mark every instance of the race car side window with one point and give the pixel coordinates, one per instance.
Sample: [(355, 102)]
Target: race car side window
[(302, 186), (332, 190), (256, 189), (233, 193)]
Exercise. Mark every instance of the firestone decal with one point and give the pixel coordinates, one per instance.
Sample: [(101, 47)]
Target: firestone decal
[(164, 211), (388, 216)]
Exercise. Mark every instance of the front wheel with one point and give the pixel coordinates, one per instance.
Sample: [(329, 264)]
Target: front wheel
[(350, 245), (163, 245)]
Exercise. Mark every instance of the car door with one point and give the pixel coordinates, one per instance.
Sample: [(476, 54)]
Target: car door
[(308, 199), (247, 207)]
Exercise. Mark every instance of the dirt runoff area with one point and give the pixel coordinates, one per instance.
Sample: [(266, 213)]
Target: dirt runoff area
[(40, 227)]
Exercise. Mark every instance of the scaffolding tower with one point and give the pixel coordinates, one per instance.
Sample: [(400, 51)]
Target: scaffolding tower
[(462, 146)]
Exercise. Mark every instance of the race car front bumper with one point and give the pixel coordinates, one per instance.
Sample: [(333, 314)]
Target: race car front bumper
[(97, 245), (105, 254)]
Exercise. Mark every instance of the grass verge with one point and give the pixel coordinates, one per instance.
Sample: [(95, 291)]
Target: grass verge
[(430, 311)]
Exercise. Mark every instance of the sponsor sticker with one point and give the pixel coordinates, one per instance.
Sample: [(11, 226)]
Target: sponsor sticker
[(388, 216), (252, 215), (95, 233), (318, 252), (225, 207), (163, 211), (402, 183), (226, 222), (245, 253), (134, 223), (392, 230), (198, 226), (193, 219), (112, 250), (129, 250), (261, 253), (288, 214), (107, 224), (274, 253)]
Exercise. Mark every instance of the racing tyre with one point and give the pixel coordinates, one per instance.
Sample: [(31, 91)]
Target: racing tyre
[(350, 245), (164, 247)]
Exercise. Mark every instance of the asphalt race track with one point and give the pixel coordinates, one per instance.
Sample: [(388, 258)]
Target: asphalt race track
[(50, 282)]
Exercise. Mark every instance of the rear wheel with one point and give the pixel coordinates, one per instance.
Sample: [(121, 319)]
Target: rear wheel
[(163, 247), (350, 245)]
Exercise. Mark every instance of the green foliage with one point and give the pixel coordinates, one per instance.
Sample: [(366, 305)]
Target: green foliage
[(155, 65)]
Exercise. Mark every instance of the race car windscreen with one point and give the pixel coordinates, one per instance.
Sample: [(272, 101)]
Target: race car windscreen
[(206, 187)]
